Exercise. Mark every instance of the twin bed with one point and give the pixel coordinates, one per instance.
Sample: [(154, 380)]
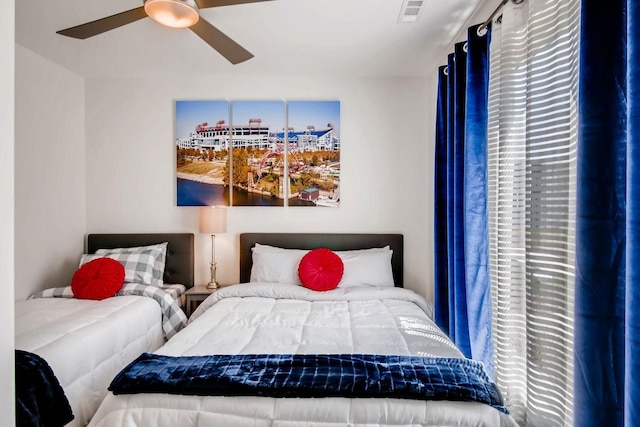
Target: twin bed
[(269, 351), (87, 342)]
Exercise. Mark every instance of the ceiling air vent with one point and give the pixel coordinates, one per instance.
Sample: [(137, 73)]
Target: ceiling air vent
[(410, 10)]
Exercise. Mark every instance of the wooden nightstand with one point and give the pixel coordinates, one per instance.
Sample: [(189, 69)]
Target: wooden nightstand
[(195, 296)]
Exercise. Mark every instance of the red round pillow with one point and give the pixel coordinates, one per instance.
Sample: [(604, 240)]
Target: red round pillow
[(98, 279), (320, 269)]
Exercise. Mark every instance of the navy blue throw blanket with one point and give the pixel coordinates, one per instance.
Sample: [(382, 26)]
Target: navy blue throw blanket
[(40, 400), (325, 375)]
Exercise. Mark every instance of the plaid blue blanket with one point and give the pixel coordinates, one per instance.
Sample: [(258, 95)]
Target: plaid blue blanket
[(40, 400), (329, 375), (173, 318)]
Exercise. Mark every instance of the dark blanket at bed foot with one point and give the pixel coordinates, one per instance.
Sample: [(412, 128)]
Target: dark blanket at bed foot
[(40, 400), (311, 375)]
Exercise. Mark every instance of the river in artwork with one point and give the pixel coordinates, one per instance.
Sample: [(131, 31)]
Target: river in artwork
[(193, 193)]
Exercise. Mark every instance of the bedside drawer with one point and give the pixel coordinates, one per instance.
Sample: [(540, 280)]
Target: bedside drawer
[(195, 296)]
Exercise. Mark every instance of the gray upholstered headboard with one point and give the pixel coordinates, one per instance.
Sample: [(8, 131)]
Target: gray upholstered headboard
[(179, 264), (333, 241)]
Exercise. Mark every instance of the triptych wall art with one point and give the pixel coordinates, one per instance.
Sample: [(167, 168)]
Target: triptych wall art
[(258, 153)]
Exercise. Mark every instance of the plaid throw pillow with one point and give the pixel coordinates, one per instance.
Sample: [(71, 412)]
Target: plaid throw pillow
[(159, 253), (138, 267)]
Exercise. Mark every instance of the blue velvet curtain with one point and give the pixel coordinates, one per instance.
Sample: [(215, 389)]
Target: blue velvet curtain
[(462, 286), (607, 328)]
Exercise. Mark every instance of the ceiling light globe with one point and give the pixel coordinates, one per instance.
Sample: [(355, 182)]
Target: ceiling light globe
[(173, 13)]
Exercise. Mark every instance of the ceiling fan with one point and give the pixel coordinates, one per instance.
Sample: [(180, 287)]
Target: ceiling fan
[(175, 14)]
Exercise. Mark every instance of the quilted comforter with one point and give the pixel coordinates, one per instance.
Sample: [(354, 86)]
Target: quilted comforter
[(87, 342), (173, 318), (265, 318)]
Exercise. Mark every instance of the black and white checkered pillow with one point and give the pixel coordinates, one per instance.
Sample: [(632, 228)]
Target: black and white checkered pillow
[(138, 267), (159, 253)]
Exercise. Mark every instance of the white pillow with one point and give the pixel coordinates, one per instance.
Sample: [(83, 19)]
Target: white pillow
[(362, 267), (366, 268), (159, 253), (276, 265)]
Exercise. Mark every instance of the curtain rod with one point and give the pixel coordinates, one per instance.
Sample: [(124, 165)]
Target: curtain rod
[(486, 23)]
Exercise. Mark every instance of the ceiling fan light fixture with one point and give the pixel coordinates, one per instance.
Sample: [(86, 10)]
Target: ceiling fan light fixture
[(173, 13)]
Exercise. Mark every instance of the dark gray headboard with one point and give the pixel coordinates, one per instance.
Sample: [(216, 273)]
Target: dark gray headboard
[(333, 241), (179, 264)]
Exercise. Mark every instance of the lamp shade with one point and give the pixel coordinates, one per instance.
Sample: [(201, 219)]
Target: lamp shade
[(173, 13), (213, 219)]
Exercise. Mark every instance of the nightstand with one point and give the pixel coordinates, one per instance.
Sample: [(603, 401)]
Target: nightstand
[(195, 296)]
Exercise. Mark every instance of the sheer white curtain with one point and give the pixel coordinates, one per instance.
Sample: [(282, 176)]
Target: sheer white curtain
[(532, 167)]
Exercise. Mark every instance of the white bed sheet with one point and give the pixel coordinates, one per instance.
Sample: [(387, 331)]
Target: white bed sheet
[(277, 318), (87, 342)]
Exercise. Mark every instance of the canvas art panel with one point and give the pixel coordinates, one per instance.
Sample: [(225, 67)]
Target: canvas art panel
[(258, 155), (314, 153), (202, 153)]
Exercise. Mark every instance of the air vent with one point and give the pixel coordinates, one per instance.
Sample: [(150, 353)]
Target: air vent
[(410, 10)]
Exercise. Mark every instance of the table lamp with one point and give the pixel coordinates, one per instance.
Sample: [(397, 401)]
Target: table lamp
[(213, 219)]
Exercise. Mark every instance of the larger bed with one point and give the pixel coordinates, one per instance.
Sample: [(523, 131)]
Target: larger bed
[(245, 339), (86, 342)]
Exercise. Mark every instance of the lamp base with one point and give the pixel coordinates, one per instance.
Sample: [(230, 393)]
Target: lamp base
[(213, 285)]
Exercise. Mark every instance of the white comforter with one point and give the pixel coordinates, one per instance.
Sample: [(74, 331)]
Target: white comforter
[(275, 318), (87, 342)]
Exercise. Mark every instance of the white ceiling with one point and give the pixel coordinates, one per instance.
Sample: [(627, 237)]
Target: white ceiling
[(340, 37)]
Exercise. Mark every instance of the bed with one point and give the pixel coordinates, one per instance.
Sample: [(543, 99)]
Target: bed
[(270, 352), (86, 342)]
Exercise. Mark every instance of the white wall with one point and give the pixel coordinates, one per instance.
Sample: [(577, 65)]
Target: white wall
[(386, 163), (7, 60), (50, 204)]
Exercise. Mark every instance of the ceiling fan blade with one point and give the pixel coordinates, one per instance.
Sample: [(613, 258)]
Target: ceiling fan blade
[(99, 26), (220, 42), (203, 4)]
